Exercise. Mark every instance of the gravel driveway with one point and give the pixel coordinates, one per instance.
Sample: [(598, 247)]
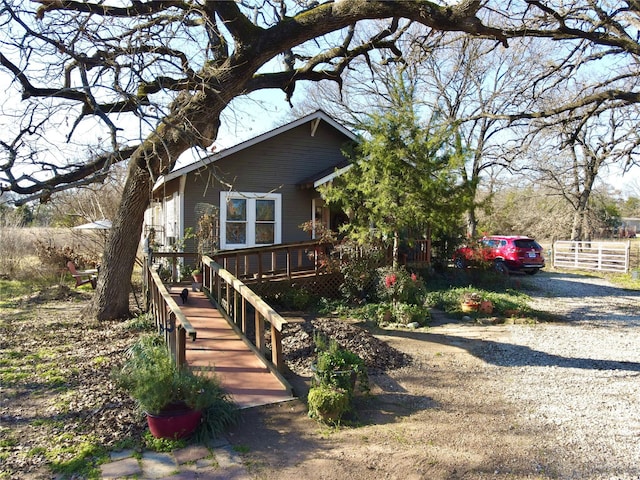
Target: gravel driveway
[(548, 401), (579, 379)]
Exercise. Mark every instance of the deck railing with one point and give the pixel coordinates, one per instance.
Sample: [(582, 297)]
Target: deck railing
[(272, 261), (233, 298), (168, 318)]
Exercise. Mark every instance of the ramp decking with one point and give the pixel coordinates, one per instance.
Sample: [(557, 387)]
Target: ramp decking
[(241, 372)]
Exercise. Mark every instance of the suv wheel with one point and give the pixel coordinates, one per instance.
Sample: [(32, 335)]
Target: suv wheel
[(459, 262), (501, 267)]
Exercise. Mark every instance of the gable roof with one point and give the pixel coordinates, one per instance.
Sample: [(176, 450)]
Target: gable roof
[(313, 118)]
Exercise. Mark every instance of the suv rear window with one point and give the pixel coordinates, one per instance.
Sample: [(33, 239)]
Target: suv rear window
[(527, 243), (491, 242)]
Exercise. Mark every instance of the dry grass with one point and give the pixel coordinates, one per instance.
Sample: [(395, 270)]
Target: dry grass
[(19, 258)]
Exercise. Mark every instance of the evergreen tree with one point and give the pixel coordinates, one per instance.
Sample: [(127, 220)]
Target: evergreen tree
[(403, 176)]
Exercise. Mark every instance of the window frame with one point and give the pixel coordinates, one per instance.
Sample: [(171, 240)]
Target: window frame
[(251, 221)]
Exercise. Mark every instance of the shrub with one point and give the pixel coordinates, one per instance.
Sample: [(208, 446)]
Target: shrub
[(398, 285), (298, 298), (358, 269), (290, 297), (406, 313), (338, 367), (328, 404), (55, 256)]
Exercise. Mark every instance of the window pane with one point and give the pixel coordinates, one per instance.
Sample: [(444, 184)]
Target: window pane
[(236, 209), (264, 233), (236, 232), (265, 210)]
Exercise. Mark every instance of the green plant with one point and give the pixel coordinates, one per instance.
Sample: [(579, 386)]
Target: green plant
[(358, 269), (165, 272), (339, 368), (405, 313), (398, 285), (164, 445), (141, 323), (295, 297), (186, 270), (154, 380), (327, 403)]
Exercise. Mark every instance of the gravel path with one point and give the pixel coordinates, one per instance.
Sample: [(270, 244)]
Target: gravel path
[(579, 379)]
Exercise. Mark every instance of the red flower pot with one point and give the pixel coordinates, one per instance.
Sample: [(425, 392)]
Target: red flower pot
[(174, 423)]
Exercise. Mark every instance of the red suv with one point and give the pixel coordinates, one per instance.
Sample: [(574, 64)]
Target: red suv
[(505, 252)]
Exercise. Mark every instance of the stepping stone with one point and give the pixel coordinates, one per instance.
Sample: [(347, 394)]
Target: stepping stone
[(122, 468), (191, 454)]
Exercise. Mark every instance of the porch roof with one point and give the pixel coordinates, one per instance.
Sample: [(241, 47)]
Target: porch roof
[(325, 176)]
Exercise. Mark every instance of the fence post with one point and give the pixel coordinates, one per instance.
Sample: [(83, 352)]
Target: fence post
[(600, 256)]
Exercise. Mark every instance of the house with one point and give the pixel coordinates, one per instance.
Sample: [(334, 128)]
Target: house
[(259, 191)]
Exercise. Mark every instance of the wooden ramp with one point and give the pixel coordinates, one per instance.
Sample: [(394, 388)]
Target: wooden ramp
[(241, 372)]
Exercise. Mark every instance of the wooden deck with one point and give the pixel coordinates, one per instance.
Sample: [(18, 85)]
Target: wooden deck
[(241, 372)]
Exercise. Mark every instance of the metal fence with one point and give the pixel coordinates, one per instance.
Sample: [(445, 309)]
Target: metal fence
[(602, 256)]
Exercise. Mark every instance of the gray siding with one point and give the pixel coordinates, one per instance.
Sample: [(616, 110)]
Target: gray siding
[(277, 164)]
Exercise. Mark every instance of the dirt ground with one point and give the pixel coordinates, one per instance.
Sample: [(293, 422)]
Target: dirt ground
[(440, 416), (439, 413)]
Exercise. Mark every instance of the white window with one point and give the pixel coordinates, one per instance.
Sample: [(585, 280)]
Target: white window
[(249, 219)]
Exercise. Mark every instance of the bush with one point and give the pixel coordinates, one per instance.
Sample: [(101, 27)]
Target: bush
[(298, 298), (338, 367), (290, 297), (328, 404), (358, 269), (398, 285), (405, 313), (55, 256)]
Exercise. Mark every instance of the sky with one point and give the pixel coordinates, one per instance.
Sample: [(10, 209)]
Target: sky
[(262, 111)]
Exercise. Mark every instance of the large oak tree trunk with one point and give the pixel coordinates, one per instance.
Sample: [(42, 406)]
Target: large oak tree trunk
[(196, 122), (114, 282)]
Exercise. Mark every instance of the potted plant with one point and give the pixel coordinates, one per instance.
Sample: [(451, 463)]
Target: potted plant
[(173, 398), (196, 274), (337, 371), (328, 404), (338, 367), (470, 302)]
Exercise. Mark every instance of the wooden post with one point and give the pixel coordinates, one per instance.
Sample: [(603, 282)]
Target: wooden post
[(276, 349), (234, 317), (181, 357), (260, 342), (218, 289), (171, 335), (244, 315)]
